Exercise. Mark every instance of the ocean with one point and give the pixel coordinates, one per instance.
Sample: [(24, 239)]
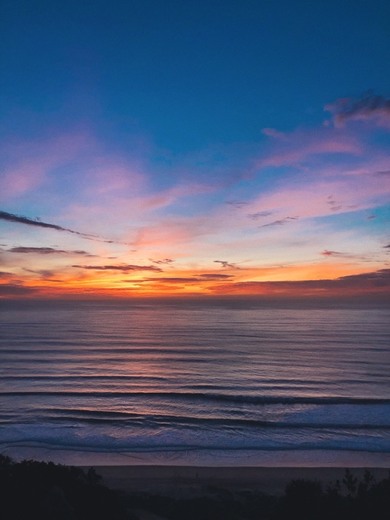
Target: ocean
[(195, 383)]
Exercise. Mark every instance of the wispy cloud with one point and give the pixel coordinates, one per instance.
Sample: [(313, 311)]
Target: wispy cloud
[(215, 276), (200, 280), (174, 279), (303, 147), (259, 214), (124, 268), (226, 264), (326, 252), (18, 219), (376, 282), (45, 274), (368, 107), (46, 251), (237, 203), (26, 165), (333, 204), (164, 261), (10, 217), (279, 222)]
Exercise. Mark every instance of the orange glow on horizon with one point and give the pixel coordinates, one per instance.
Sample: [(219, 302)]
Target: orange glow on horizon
[(321, 279)]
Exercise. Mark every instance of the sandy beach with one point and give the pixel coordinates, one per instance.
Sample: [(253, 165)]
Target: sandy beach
[(186, 481)]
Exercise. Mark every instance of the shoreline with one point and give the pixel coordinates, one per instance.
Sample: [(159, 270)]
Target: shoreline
[(201, 458)]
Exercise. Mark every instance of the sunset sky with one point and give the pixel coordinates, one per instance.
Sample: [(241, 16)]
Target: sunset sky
[(157, 147)]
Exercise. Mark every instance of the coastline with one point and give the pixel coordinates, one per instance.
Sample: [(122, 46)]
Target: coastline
[(199, 458)]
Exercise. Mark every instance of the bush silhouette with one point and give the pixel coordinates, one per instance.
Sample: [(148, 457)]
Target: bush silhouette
[(47, 491), (349, 500)]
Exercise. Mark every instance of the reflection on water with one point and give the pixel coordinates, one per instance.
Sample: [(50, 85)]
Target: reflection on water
[(107, 377)]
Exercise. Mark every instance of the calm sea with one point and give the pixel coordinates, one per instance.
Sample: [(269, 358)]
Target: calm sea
[(195, 383)]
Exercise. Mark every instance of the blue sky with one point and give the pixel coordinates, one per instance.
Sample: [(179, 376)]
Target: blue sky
[(254, 133)]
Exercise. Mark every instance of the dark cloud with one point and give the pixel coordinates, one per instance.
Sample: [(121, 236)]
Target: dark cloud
[(124, 268), (343, 254), (237, 203), (259, 214), (378, 278), (172, 279), (333, 204), (45, 274), (203, 278), (279, 222), (326, 252), (164, 261), (10, 217), (215, 276), (387, 247), (369, 106), (47, 251), (4, 274), (14, 289), (17, 219), (226, 264), (374, 282)]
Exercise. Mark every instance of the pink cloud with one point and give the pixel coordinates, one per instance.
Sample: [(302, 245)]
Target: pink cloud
[(272, 132), (173, 195), (27, 165), (297, 148), (170, 233), (314, 199)]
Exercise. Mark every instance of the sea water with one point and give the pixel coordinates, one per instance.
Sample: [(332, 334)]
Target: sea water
[(202, 383)]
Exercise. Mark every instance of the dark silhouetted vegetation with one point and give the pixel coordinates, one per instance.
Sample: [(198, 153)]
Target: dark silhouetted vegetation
[(352, 499), (48, 491)]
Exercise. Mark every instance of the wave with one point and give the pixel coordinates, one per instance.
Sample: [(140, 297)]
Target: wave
[(234, 398), (181, 440), (134, 420)]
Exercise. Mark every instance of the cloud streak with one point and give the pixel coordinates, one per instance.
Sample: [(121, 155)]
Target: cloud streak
[(11, 290), (122, 268), (226, 265), (259, 214), (200, 279), (368, 107), (279, 222), (18, 219), (376, 282), (46, 251), (164, 261)]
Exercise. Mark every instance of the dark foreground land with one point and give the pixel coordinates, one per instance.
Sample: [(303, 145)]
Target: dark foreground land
[(46, 491)]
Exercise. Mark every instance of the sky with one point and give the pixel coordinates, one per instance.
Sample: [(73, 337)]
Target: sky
[(208, 148)]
